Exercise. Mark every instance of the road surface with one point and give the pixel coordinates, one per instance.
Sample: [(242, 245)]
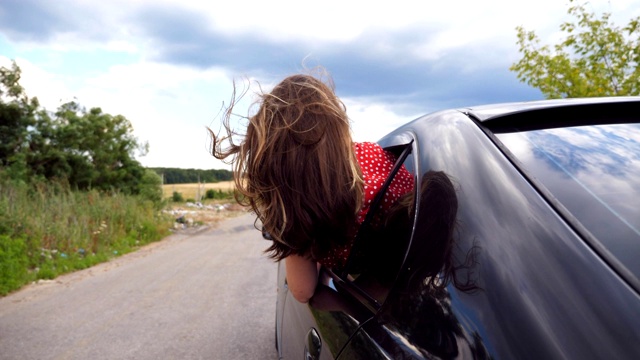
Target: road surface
[(209, 295)]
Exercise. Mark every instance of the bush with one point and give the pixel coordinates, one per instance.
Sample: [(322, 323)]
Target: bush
[(177, 197), (210, 194), (219, 194), (151, 188)]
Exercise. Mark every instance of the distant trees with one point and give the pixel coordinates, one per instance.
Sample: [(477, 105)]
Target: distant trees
[(595, 59), (189, 176), (87, 149)]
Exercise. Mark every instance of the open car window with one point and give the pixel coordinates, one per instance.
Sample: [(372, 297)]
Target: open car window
[(383, 239)]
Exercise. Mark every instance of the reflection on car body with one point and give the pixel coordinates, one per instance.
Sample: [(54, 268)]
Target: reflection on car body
[(542, 260)]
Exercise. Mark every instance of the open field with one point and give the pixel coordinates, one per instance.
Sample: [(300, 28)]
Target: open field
[(190, 191), (209, 211)]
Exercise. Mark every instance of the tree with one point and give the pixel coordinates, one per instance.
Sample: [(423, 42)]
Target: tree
[(595, 59), (17, 116), (99, 147), (86, 149), (151, 187)]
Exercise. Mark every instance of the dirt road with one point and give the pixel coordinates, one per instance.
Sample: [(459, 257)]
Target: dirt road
[(209, 295)]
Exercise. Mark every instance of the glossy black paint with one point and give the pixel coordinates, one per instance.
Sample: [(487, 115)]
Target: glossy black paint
[(544, 292), (591, 171)]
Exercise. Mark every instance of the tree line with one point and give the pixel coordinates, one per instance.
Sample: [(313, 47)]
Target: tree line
[(189, 176)]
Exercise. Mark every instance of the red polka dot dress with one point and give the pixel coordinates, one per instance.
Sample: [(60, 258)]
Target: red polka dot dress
[(376, 165)]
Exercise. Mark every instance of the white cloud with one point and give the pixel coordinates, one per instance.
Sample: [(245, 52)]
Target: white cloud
[(50, 89), (459, 22), (170, 106), (370, 121)]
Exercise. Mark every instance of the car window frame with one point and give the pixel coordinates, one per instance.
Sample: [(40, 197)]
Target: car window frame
[(341, 278)]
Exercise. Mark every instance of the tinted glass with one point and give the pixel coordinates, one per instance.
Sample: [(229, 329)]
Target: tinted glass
[(594, 171)]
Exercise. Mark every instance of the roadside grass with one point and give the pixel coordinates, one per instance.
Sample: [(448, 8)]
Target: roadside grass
[(49, 230)]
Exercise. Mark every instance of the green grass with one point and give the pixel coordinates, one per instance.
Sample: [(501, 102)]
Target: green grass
[(48, 230)]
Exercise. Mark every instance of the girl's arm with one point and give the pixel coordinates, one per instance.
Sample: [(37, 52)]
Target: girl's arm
[(302, 277)]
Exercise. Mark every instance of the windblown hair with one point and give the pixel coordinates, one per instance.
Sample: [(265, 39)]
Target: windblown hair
[(296, 168)]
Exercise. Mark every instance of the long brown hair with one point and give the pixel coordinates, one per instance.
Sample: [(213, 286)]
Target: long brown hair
[(295, 167)]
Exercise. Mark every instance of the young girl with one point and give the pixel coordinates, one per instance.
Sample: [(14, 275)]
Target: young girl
[(298, 169)]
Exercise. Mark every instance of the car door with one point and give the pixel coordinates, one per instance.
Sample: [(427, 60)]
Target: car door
[(330, 326), (409, 296), (375, 262), (526, 286), (321, 328)]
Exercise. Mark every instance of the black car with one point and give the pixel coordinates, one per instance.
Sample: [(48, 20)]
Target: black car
[(543, 261)]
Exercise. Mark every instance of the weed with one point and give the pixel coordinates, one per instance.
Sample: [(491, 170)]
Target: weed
[(48, 230)]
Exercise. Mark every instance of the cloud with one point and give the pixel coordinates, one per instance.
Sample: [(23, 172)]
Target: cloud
[(169, 106), (31, 21), (74, 23), (384, 66), (387, 53), (168, 65), (370, 121)]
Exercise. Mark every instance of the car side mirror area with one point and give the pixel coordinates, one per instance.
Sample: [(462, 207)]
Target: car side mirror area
[(328, 298)]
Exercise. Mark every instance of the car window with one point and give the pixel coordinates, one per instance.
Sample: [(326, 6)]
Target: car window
[(377, 257), (594, 172)]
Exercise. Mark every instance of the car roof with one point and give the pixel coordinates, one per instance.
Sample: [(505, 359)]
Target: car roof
[(489, 112), (540, 114)]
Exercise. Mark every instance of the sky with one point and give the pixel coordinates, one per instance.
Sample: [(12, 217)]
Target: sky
[(169, 66)]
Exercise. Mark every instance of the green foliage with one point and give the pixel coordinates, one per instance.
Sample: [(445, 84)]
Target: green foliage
[(218, 194), (151, 188), (211, 194), (48, 229), (189, 176), (66, 180), (87, 149), (13, 263), (18, 114), (595, 59), (71, 192), (177, 197)]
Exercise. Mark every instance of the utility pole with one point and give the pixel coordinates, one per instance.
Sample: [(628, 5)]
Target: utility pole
[(198, 190)]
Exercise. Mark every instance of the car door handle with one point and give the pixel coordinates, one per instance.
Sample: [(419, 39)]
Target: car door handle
[(313, 345)]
